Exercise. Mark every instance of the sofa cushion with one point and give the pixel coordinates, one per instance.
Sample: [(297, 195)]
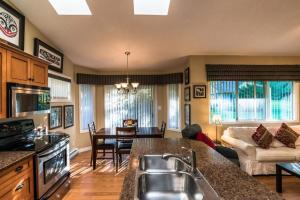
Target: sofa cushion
[(297, 153), (262, 137), (275, 154), (242, 133), (287, 135)]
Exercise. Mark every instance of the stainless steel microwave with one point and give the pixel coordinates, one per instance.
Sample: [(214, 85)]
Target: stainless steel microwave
[(26, 100)]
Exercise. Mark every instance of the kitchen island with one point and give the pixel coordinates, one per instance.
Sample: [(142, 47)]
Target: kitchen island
[(225, 178)]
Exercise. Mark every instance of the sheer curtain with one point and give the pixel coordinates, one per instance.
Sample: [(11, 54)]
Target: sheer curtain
[(173, 106), (87, 105), (140, 106)]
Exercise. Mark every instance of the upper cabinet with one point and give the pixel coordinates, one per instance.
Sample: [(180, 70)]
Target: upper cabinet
[(2, 83), (25, 70)]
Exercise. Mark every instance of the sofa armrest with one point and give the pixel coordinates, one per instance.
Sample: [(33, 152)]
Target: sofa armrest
[(245, 147)]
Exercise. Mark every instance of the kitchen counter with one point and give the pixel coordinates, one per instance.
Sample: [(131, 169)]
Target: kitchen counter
[(9, 158), (226, 178)]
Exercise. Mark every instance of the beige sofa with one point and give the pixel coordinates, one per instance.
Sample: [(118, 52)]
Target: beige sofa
[(255, 160)]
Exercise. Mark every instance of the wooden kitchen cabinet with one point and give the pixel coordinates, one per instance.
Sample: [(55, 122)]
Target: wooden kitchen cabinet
[(18, 68), (25, 70), (39, 74), (17, 182), (2, 83)]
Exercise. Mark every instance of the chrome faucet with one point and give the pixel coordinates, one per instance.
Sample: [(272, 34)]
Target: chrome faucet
[(190, 161)]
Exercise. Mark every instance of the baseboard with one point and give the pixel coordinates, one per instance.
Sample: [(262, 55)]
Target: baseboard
[(84, 149), (73, 152)]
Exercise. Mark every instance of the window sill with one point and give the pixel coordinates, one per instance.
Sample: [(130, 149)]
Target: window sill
[(257, 122), (84, 131), (174, 130)]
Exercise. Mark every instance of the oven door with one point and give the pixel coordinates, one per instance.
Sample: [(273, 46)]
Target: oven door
[(52, 165), (26, 101)]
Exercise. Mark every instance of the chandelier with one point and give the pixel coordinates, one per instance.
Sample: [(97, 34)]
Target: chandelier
[(126, 87)]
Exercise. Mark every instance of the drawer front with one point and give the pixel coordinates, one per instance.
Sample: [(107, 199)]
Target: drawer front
[(20, 189), (17, 169), (16, 183)]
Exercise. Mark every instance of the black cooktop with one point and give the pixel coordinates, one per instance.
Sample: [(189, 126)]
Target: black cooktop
[(20, 136)]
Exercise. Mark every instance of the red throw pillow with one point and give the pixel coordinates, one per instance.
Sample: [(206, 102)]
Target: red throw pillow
[(262, 137), (205, 139)]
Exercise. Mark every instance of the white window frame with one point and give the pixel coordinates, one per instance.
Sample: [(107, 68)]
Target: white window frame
[(179, 110), (295, 119), (79, 100)]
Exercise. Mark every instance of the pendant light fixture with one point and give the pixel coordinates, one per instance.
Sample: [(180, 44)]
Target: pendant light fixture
[(126, 87)]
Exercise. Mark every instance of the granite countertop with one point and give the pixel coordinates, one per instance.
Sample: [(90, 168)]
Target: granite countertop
[(227, 179), (9, 158)]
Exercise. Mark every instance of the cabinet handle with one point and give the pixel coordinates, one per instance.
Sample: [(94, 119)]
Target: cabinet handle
[(19, 187), (29, 79), (32, 79), (19, 169)]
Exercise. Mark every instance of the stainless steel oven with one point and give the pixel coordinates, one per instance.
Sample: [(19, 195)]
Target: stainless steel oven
[(25, 100), (52, 165)]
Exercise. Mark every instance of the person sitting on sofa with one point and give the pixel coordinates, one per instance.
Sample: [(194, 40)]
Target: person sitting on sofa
[(194, 132)]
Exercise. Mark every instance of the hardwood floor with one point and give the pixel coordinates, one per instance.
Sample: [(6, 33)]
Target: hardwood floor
[(105, 184), (101, 184), (290, 186)]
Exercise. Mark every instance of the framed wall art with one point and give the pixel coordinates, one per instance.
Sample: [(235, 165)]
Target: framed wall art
[(55, 117), (199, 91), (12, 26), (187, 76), (48, 53), (187, 93), (68, 116), (187, 114)]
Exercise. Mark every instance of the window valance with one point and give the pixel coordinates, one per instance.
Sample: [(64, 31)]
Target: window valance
[(142, 79), (223, 72)]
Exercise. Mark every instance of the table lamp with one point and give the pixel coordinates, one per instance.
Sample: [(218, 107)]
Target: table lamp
[(217, 120)]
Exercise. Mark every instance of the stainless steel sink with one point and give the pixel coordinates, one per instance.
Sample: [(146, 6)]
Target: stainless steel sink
[(160, 179), (155, 163), (168, 186)]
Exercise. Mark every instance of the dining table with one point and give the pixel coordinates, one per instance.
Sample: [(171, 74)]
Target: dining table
[(109, 133)]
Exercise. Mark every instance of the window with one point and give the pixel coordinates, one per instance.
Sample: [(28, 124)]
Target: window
[(174, 106), (252, 100), (87, 105), (140, 106), (60, 90)]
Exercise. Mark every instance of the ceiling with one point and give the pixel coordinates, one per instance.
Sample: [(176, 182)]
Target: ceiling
[(193, 27)]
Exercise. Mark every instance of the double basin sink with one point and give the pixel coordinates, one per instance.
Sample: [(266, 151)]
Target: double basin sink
[(171, 179)]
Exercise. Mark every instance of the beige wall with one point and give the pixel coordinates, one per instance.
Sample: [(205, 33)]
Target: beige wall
[(200, 107)]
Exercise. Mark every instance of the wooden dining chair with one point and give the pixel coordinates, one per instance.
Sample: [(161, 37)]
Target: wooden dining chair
[(130, 123), (125, 136), (163, 128), (106, 145)]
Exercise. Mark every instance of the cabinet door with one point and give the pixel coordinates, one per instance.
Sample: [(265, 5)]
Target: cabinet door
[(18, 68), (39, 74), (2, 83)]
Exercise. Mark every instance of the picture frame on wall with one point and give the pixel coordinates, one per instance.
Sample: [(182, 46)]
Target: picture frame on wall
[(68, 116), (187, 114), (199, 91), (187, 76), (55, 117), (12, 26), (187, 93), (49, 54)]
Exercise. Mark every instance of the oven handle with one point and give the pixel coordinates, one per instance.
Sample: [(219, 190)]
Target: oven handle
[(51, 152)]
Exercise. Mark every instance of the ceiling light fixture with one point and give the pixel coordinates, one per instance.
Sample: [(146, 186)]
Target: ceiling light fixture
[(151, 7), (126, 87), (70, 7)]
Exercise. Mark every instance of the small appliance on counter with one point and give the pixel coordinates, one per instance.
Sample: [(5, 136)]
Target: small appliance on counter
[(51, 163)]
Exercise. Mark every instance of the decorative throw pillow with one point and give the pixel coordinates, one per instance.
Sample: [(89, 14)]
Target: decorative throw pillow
[(287, 136), (262, 137), (205, 139)]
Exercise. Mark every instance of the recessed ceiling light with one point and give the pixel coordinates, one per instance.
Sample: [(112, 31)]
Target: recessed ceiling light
[(151, 7), (71, 7)]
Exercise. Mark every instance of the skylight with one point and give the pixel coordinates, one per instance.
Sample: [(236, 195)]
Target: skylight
[(151, 7), (71, 7)]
